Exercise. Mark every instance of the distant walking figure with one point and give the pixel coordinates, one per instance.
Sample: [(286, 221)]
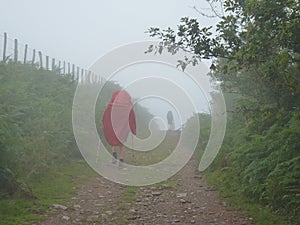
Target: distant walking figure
[(118, 120), (170, 120)]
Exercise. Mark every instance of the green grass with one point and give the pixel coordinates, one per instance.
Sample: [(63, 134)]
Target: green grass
[(261, 215), (162, 151), (53, 188), (130, 193)]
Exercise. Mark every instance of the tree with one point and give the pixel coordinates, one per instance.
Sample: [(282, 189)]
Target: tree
[(257, 47), (257, 51)]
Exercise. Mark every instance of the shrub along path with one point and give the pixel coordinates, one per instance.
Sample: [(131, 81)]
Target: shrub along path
[(184, 199)]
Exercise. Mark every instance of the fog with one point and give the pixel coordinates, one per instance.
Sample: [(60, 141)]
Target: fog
[(81, 32)]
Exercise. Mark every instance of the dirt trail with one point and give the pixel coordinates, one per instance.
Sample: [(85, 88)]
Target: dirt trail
[(188, 200)]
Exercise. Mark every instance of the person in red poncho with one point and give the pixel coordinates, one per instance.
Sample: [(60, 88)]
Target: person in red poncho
[(118, 120)]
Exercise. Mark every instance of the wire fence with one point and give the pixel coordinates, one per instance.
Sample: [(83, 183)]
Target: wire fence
[(11, 50)]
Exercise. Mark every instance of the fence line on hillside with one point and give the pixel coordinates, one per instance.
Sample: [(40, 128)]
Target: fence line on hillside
[(13, 51)]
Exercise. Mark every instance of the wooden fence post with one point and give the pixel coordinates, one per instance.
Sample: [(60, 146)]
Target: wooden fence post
[(47, 62), (25, 54), (59, 65), (41, 59), (33, 57), (69, 69), (53, 64), (77, 75), (86, 76), (82, 74), (73, 71), (89, 76), (16, 51), (4, 47)]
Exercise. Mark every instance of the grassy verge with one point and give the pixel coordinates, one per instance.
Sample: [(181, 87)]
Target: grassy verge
[(159, 153), (53, 188), (261, 215)]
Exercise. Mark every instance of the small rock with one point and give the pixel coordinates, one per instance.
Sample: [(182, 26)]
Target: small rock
[(109, 213), (182, 200), (156, 193), (132, 217), (181, 195), (148, 195), (211, 188), (197, 177), (58, 206), (132, 211), (92, 218), (66, 218), (77, 206)]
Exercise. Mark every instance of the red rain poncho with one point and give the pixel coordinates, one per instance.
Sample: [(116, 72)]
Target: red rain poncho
[(119, 118)]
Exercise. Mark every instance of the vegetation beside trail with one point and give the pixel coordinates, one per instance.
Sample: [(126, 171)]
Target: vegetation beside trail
[(255, 54), (55, 187), (35, 109), (40, 163)]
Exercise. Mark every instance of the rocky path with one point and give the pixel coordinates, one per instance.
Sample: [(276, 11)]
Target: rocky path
[(186, 199)]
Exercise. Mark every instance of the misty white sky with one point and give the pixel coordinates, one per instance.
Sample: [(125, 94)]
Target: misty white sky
[(161, 88), (80, 32)]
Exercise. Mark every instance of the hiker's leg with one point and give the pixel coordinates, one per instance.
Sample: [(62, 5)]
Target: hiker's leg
[(114, 152), (122, 152)]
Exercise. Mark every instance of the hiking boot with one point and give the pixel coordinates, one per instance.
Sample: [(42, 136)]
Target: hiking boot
[(114, 158), (121, 164)]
